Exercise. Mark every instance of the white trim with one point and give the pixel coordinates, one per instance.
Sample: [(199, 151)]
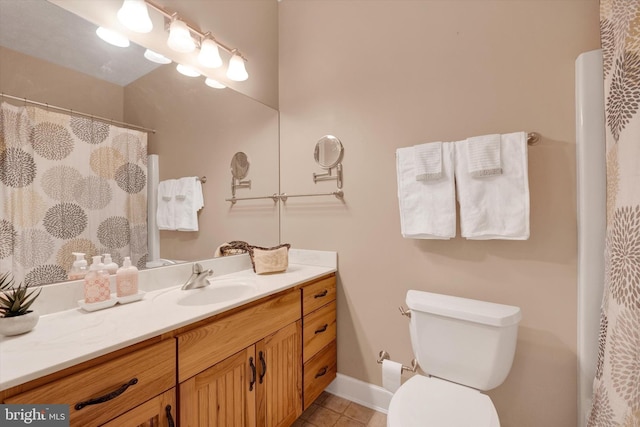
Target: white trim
[(365, 394)]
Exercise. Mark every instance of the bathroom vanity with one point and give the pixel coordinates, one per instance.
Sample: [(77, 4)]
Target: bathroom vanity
[(258, 362)]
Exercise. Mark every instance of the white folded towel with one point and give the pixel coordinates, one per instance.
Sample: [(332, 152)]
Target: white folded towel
[(165, 214), (428, 161), (483, 155), (189, 201), (427, 208), (495, 207)]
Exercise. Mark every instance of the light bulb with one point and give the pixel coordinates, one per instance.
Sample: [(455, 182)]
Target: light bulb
[(214, 83), (187, 71), (236, 70), (209, 55), (112, 37), (180, 38), (156, 57), (135, 16)]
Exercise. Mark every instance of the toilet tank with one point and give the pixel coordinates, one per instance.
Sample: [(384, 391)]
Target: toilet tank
[(461, 340)]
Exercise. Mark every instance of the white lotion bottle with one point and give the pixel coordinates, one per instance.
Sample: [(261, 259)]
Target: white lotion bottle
[(79, 268), (109, 265), (96, 282), (126, 279)]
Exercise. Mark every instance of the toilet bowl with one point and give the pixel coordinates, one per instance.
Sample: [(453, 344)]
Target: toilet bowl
[(464, 346), (427, 401)]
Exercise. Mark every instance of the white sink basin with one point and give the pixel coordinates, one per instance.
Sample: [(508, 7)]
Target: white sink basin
[(219, 291)]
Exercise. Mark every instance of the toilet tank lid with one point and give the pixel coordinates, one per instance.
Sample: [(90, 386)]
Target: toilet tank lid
[(488, 313)]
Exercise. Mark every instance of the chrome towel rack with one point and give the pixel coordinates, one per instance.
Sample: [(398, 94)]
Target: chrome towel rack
[(339, 194)]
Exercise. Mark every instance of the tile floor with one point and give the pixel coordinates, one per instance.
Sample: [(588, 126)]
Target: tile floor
[(332, 411)]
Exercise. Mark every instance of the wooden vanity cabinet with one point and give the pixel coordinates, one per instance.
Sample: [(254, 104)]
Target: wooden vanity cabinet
[(256, 365), (319, 351), (245, 368), (157, 412), (107, 390)]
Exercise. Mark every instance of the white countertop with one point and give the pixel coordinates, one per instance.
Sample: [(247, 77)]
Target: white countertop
[(66, 338)]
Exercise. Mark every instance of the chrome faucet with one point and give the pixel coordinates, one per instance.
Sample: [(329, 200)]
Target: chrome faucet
[(198, 278)]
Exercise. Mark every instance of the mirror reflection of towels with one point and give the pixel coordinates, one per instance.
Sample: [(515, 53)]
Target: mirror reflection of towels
[(189, 200)]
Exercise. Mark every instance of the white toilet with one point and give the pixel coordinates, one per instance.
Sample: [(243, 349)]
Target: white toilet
[(465, 346)]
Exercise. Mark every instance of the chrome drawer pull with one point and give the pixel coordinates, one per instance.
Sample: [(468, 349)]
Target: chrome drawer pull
[(107, 396)]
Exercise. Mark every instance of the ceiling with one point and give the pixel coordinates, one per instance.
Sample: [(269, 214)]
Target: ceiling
[(43, 30)]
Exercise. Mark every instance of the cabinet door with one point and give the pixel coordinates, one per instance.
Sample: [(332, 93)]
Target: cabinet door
[(223, 395), (157, 412), (279, 377)]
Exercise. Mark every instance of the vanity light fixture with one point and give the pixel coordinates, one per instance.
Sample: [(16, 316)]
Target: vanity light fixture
[(186, 38), (112, 37), (156, 57), (180, 38), (209, 55), (187, 71), (135, 16), (236, 70), (214, 83)]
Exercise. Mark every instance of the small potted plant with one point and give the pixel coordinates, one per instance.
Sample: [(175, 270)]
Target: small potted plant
[(15, 316)]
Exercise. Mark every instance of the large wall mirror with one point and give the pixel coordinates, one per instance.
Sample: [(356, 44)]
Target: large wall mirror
[(197, 128)]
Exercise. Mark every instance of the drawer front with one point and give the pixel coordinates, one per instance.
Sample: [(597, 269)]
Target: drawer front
[(319, 329), (133, 379), (205, 346), (318, 294), (319, 371)]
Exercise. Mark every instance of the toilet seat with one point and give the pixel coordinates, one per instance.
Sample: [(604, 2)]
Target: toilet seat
[(432, 402)]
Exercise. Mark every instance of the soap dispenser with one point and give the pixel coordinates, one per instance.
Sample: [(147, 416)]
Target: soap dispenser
[(96, 282), (126, 279), (79, 268), (109, 265)]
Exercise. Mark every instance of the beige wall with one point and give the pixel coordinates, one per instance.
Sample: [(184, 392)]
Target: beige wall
[(198, 130), (32, 78), (387, 74)]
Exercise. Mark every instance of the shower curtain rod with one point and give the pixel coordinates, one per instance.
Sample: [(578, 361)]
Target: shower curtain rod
[(78, 113)]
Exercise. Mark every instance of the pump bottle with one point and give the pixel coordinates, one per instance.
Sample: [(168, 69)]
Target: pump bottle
[(96, 282), (79, 268), (126, 279)]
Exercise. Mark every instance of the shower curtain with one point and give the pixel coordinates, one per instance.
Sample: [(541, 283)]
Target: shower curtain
[(616, 400), (68, 184)]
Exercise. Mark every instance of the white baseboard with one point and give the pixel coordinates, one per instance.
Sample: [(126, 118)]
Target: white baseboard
[(365, 394)]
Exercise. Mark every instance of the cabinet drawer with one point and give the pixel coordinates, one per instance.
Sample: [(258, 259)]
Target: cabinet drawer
[(319, 329), (149, 372), (205, 346), (319, 371), (318, 294)]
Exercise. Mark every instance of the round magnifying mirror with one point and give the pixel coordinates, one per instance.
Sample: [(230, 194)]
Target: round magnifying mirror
[(239, 165), (328, 152)]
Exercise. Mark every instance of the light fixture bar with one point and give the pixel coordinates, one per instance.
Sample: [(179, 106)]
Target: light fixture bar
[(194, 30)]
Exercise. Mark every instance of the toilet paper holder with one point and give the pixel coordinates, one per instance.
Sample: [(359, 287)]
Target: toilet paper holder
[(383, 355)]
